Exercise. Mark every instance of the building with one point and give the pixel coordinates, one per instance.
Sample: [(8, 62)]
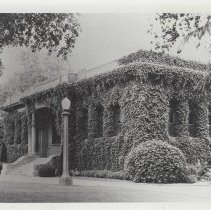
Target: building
[(114, 107)]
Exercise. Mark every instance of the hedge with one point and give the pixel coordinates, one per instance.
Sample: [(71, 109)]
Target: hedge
[(46, 170), (102, 174), (158, 162), (195, 149)]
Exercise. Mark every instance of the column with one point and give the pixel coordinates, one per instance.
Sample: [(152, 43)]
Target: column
[(33, 135)]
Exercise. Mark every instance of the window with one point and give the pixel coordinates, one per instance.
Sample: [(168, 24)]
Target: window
[(172, 116), (117, 117), (191, 118), (99, 116), (117, 114)]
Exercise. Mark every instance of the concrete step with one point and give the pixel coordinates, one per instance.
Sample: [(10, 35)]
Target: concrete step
[(26, 166)]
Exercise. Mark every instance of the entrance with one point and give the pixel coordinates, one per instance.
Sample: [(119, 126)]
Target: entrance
[(42, 142), (43, 121)]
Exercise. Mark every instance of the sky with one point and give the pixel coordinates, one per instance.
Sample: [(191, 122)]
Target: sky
[(104, 38)]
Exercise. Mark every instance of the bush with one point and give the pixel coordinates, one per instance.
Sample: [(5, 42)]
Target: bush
[(197, 170), (194, 149), (46, 170), (102, 174), (158, 162), (192, 179), (200, 171)]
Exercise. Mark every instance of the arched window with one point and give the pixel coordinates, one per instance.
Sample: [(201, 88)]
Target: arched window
[(117, 117), (191, 117), (117, 114), (99, 117), (172, 117)]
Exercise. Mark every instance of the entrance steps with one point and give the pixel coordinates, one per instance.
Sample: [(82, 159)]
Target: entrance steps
[(27, 165)]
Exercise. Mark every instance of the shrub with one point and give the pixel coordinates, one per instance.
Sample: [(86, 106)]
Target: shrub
[(193, 170), (46, 170), (197, 171), (192, 179), (194, 149), (200, 171), (203, 171), (102, 174), (158, 162)]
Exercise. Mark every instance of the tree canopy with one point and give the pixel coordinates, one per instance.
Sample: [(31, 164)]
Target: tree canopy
[(52, 31), (179, 28), (176, 29), (31, 68)]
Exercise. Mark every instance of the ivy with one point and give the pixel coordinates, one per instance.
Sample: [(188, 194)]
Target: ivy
[(143, 91), (16, 134), (160, 58), (157, 162)]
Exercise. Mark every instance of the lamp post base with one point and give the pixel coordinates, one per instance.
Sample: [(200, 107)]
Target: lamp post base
[(65, 180)]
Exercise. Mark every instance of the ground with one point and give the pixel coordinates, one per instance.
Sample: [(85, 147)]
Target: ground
[(37, 189)]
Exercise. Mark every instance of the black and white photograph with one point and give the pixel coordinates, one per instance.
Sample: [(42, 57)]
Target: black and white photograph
[(105, 107)]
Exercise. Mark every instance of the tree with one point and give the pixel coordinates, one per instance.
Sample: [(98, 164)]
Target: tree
[(181, 27), (54, 32), (176, 29), (34, 68)]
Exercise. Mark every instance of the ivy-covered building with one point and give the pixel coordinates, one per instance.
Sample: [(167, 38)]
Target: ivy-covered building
[(142, 96)]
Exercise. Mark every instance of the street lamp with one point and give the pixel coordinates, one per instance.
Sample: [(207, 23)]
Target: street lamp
[(66, 104), (65, 179)]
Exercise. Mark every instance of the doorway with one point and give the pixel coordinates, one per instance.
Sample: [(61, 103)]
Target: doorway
[(43, 121)]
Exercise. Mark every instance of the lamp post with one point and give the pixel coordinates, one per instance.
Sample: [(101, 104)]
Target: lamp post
[(65, 179)]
